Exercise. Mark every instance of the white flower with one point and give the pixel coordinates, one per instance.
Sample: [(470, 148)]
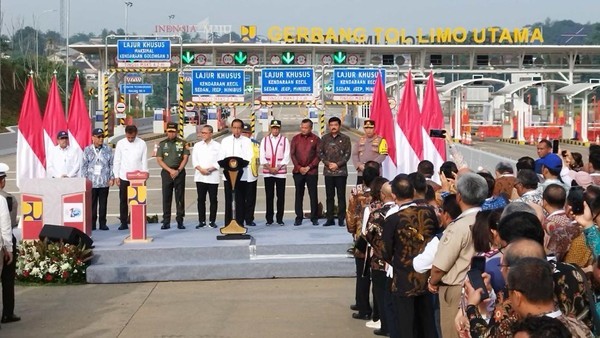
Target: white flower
[(53, 268), (35, 272), (65, 267)]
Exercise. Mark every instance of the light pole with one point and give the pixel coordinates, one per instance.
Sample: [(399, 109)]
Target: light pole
[(127, 5), (68, 16), (171, 17), (37, 42)]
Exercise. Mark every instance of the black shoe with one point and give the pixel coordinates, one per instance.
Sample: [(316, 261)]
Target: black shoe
[(180, 226), (329, 223), (104, 227), (251, 224), (341, 223), (354, 307), (201, 225), (280, 223), (269, 223), (357, 315), (93, 228), (380, 332), (213, 225), (123, 227), (315, 223), (297, 222), (10, 319), (165, 227)]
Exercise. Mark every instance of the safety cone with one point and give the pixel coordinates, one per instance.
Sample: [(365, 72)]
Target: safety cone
[(469, 139), (155, 149), (481, 136), (598, 139), (463, 139), (531, 140)]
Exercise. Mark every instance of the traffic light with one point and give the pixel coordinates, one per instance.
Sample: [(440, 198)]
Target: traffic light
[(240, 57), (288, 58), (188, 57), (339, 58)]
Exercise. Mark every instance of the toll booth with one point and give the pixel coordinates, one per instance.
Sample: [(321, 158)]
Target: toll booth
[(265, 119), (158, 125), (212, 119)]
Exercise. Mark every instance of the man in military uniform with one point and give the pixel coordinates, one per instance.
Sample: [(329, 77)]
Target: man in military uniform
[(172, 156), (370, 147), (335, 150), (252, 177), (9, 270)]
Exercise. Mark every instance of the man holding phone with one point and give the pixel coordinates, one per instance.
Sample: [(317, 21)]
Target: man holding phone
[(453, 258)]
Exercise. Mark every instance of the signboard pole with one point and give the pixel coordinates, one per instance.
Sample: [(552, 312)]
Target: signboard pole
[(105, 101), (180, 98)]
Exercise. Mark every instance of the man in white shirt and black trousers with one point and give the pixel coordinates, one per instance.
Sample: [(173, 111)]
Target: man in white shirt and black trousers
[(131, 154), (206, 175), (274, 158), (239, 146)]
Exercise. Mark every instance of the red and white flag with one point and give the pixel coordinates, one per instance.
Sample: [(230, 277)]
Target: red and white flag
[(409, 134), (54, 117), (432, 118), (31, 156), (381, 113), (80, 128)]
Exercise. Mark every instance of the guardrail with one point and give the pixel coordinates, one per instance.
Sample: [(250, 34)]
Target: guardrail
[(476, 158)]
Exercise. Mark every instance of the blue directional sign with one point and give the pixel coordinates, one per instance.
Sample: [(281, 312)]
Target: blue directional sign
[(217, 82), (135, 88), (355, 81), (287, 81), (143, 50)]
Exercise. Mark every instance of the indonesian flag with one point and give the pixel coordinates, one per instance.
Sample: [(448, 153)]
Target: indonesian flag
[(31, 157), (409, 134), (384, 126), (54, 117), (80, 128), (432, 118)]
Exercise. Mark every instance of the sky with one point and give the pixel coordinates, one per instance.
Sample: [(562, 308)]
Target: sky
[(91, 16)]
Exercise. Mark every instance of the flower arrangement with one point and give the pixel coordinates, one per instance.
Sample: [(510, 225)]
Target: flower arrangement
[(44, 262)]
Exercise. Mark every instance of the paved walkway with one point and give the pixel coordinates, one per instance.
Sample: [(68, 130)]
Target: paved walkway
[(235, 308)]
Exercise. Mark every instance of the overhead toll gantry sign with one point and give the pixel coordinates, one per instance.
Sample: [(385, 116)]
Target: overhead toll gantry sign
[(143, 50)]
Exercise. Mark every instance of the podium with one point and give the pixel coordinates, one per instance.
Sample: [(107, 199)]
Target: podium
[(136, 199), (232, 169), (57, 201)]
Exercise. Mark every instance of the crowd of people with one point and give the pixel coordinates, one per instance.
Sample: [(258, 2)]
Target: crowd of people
[(480, 254)]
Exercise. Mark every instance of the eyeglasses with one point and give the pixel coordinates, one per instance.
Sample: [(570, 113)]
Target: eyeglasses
[(503, 265), (501, 249)]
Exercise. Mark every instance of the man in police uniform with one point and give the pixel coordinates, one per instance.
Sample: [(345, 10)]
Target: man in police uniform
[(172, 156), (370, 147), (9, 270), (252, 177)]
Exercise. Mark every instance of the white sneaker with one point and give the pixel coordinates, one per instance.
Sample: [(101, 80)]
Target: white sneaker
[(373, 325)]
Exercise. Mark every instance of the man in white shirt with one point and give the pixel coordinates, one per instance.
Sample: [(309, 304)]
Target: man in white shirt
[(130, 155), (63, 160), (206, 175), (251, 178), (238, 146), (274, 158), (6, 243)]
